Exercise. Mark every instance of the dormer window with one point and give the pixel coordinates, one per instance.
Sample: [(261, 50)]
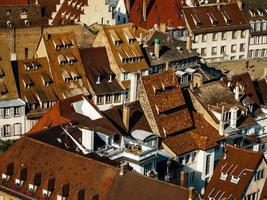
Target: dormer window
[(71, 59), (115, 38), (235, 179), (24, 14), (226, 17), (66, 76), (111, 77), (61, 60), (212, 18), (2, 74), (32, 188), (223, 176), (27, 66), (35, 65), (196, 20), (9, 24), (27, 82), (75, 76), (27, 22), (98, 79)]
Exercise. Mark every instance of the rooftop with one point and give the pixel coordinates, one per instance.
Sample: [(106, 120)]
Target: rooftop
[(205, 19), (255, 67), (238, 163)]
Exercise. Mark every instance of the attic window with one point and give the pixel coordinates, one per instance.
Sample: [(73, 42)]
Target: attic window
[(223, 176), (36, 65), (129, 36), (226, 17), (66, 190), (71, 59), (75, 75), (81, 195), (235, 179), (111, 78), (196, 20), (66, 76), (27, 22), (98, 79), (9, 24), (61, 60), (27, 82), (28, 66), (212, 18), (115, 38), (46, 79)]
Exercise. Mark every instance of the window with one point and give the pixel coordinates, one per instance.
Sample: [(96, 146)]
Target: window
[(7, 130), (215, 36), (194, 156), (16, 111), (257, 53), (117, 98), (232, 58), (192, 177), (181, 160), (187, 158), (100, 99), (223, 48), (147, 168), (223, 35), (241, 57), (252, 196), (207, 171), (196, 38), (259, 175), (214, 51), (119, 18), (242, 47), (109, 98), (203, 51), (233, 48), (204, 38), (234, 34), (7, 112), (125, 76)]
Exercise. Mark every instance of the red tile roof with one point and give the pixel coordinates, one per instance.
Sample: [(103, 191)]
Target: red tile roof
[(68, 173), (13, 2), (167, 103), (201, 15), (203, 137), (236, 162), (158, 11)]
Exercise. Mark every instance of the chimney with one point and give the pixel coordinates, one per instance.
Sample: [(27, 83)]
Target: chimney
[(122, 168), (128, 5), (240, 4), (156, 47), (182, 179), (167, 65), (218, 4), (126, 115), (141, 38), (162, 27), (144, 10), (190, 193), (197, 80), (233, 120), (237, 92)]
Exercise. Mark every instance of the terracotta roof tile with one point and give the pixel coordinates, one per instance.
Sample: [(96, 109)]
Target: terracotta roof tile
[(156, 13), (237, 162)]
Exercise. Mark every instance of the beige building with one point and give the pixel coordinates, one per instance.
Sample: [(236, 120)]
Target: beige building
[(217, 32), (124, 53), (105, 12)]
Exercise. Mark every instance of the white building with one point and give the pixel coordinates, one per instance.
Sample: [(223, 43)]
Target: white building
[(109, 12), (12, 119), (222, 33), (258, 32)]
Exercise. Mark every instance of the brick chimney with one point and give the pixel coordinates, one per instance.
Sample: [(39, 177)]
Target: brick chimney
[(197, 80), (144, 10), (126, 115)]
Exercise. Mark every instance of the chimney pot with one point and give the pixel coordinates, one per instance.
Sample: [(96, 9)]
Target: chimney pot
[(156, 47)]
